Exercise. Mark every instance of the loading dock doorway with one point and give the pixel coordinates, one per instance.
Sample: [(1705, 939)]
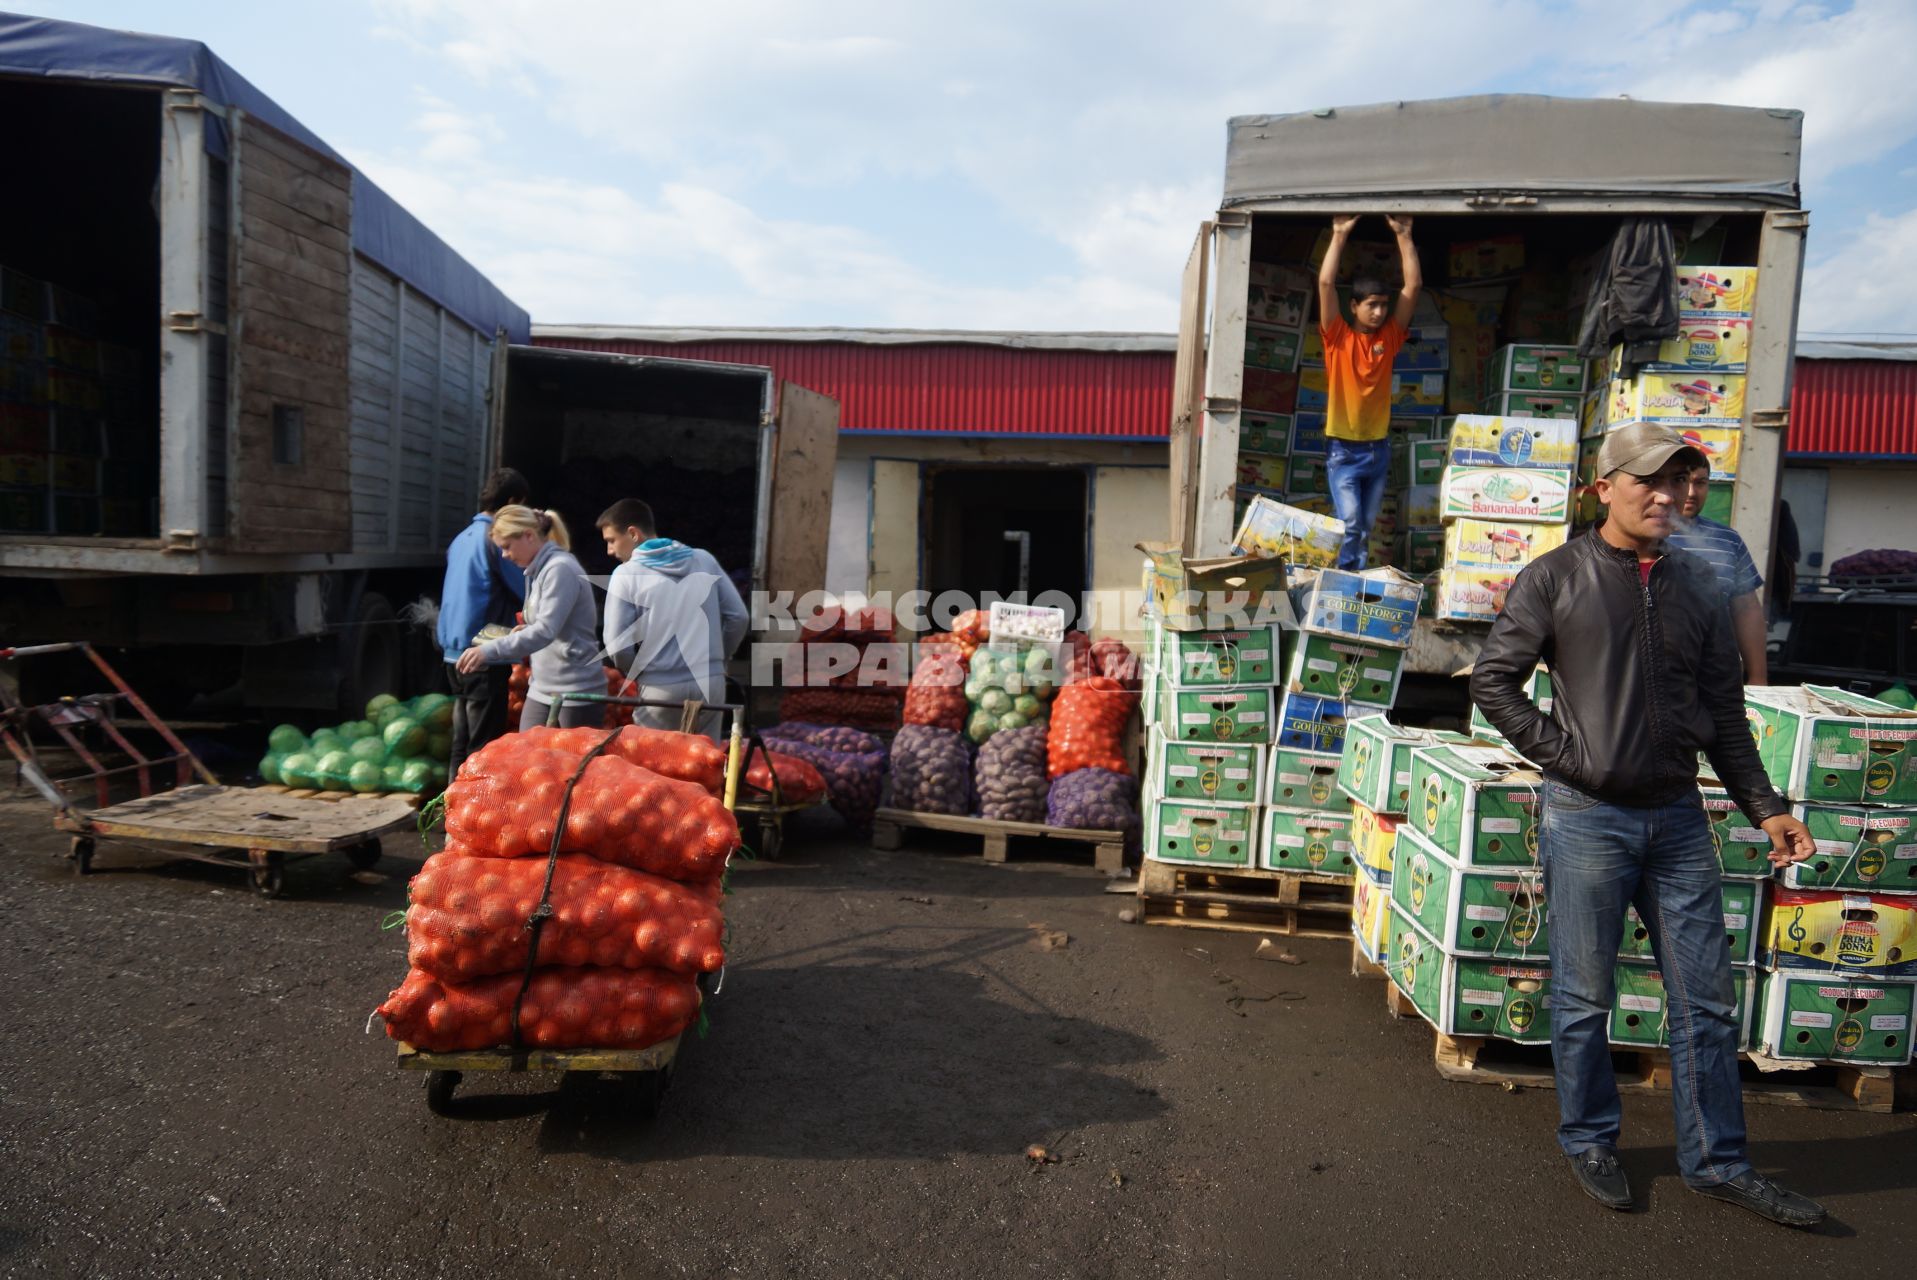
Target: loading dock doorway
[(1004, 530)]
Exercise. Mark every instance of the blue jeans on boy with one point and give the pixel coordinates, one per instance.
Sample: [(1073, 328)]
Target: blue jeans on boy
[(1356, 472), (1598, 859)]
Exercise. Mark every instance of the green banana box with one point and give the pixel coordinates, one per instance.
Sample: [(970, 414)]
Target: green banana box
[(1311, 840), (1375, 767), (1470, 911), (1423, 551), (1271, 347), (1338, 667), (1744, 902), (1743, 851), (1298, 779), (1532, 367), (1465, 996), (1204, 835), (1308, 477), (1216, 715), (1482, 803), (1858, 847), (1233, 772), (1267, 433), (1420, 461), (1836, 1017), (1219, 659), (1820, 743), (1640, 1011)]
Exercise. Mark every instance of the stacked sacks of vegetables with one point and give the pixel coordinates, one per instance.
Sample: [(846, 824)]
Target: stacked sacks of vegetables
[(931, 771), (867, 680), (936, 696), (1010, 775), (971, 629), (1092, 783), (399, 746), (634, 903), (852, 764), (1007, 688)]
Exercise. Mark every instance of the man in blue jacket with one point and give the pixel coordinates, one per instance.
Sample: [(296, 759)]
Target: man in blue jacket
[(482, 588), (673, 618)]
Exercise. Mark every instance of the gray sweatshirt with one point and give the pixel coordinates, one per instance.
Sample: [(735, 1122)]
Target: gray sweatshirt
[(673, 618), (561, 631)]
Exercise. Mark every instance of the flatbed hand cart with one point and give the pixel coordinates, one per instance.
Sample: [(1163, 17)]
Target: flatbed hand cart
[(252, 829), (651, 1067)]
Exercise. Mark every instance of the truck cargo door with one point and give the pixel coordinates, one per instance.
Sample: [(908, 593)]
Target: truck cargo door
[(290, 487), (892, 546), (805, 449), (1188, 386)]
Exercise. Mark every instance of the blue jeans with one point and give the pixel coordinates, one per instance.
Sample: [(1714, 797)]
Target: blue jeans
[(1598, 859), (1356, 471)]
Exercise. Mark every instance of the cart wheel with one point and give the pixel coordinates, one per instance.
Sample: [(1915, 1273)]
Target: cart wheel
[(363, 856), (771, 836), (269, 872), (439, 1091), (82, 855)]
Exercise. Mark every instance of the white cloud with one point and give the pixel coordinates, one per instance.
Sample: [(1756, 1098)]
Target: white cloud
[(1095, 131), (1865, 285)]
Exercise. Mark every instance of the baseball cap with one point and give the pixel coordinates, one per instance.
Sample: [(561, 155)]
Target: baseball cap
[(1640, 448)]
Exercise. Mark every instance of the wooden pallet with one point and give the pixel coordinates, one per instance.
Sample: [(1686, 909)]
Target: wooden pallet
[(408, 798), (1833, 1087), (890, 825), (1289, 903), (1363, 966)]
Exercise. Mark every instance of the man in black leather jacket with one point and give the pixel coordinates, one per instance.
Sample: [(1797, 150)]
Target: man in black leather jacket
[(1645, 674)]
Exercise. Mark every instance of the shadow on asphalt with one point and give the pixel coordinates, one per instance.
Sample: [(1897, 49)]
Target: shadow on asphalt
[(890, 1062), (327, 878)]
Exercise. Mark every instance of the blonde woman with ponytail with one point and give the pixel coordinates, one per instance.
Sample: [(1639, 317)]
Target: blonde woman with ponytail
[(561, 632)]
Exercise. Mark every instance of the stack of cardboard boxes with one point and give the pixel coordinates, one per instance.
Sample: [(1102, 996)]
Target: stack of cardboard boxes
[(1505, 500), (1277, 459), (74, 458), (1248, 726), (1840, 934), (1693, 382)]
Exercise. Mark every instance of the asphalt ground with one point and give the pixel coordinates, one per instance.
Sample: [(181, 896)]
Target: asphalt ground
[(188, 1087)]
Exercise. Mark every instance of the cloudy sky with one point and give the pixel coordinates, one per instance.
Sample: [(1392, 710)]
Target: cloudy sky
[(988, 164)]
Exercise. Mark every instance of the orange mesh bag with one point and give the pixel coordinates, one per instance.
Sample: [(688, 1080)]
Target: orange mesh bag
[(689, 757), (468, 917), (505, 804), (799, 782), (859, 708), (564, 1008), (518, 685), (937, 693), (1088, 727)]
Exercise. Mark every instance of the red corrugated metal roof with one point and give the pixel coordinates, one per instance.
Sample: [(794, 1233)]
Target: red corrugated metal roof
[(1853, 408), (954, 388)]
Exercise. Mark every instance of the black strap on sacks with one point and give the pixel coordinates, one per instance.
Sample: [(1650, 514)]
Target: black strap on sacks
[(536, 922)]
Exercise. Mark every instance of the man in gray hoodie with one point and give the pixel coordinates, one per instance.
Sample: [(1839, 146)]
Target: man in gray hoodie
[(673, 618)]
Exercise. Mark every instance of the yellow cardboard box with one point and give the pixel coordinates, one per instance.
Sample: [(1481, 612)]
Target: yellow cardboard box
[(1499, 544), (1694, 396), (1716, 290), (1472, 595), (1374, 836), (1228, 593), (1487, 259), (1275, 530), (1507, 493), (1711, 342), (1481, 441)]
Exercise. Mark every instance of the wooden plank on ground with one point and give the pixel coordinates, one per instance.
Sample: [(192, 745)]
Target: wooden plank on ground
[(251, 818), (651, 1058)]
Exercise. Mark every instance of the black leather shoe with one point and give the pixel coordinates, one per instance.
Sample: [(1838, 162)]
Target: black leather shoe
[(1753, 1191), (1598, 1173)]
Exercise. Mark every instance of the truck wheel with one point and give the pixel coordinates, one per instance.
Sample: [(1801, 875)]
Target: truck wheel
[(372, 662)]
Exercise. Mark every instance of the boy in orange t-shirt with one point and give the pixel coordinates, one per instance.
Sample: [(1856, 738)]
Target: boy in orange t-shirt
[(1358, 358)]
